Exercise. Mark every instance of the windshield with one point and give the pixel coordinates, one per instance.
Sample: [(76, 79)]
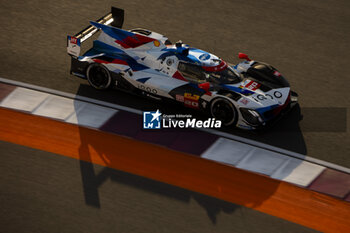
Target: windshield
[(224, 76)]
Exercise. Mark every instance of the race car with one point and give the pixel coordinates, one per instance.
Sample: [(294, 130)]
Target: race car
[(248, 95)]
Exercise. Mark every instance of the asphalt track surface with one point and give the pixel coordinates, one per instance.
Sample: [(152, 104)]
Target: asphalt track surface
[(45, 192), (307, 41)]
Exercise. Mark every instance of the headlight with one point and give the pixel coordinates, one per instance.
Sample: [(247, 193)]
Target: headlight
[(251, 116)]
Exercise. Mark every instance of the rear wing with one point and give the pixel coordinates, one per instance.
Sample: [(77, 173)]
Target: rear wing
[(115, 18)]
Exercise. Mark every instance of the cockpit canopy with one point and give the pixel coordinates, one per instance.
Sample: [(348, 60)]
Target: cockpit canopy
[(197, 74)]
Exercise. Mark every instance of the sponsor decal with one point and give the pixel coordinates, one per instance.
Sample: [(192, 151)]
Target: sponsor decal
[(73, 47), (157, 120), (156, 43), (147, 89), (250, 85), (191, 101), (244, 101), (152, 120), (73, 40), (204, 56), (260, 97), (180, 98)]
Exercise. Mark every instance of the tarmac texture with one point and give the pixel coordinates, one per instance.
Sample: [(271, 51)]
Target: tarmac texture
[(45, 192)]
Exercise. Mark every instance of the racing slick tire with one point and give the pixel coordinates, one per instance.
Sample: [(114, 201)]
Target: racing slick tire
[(222, 109), (98, 76)]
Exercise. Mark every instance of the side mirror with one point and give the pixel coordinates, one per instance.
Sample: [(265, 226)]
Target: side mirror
[(185, 52), (205, 86), (243, 56), (178, 44)]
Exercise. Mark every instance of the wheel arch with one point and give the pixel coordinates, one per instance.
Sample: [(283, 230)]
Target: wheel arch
[(110, 77), (235, 107)]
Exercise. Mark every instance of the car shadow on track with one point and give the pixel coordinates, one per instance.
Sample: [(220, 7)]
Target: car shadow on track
[(286, 133), (92, 181), (93, 176)]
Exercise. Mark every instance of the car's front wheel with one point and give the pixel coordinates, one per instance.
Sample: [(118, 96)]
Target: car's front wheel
[(98, 76), (222, 109)]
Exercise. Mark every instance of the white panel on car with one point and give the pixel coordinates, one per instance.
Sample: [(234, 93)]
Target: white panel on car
[(298, 172), (24, 99), (161, 81), (91, 115), (227, 151), (262, 161), (57, 107)]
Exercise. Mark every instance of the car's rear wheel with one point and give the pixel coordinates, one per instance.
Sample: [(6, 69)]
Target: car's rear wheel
[(98, 76), (222, 109)]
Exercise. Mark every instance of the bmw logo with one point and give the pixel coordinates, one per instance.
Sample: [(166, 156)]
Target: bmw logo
[(204, 56)]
